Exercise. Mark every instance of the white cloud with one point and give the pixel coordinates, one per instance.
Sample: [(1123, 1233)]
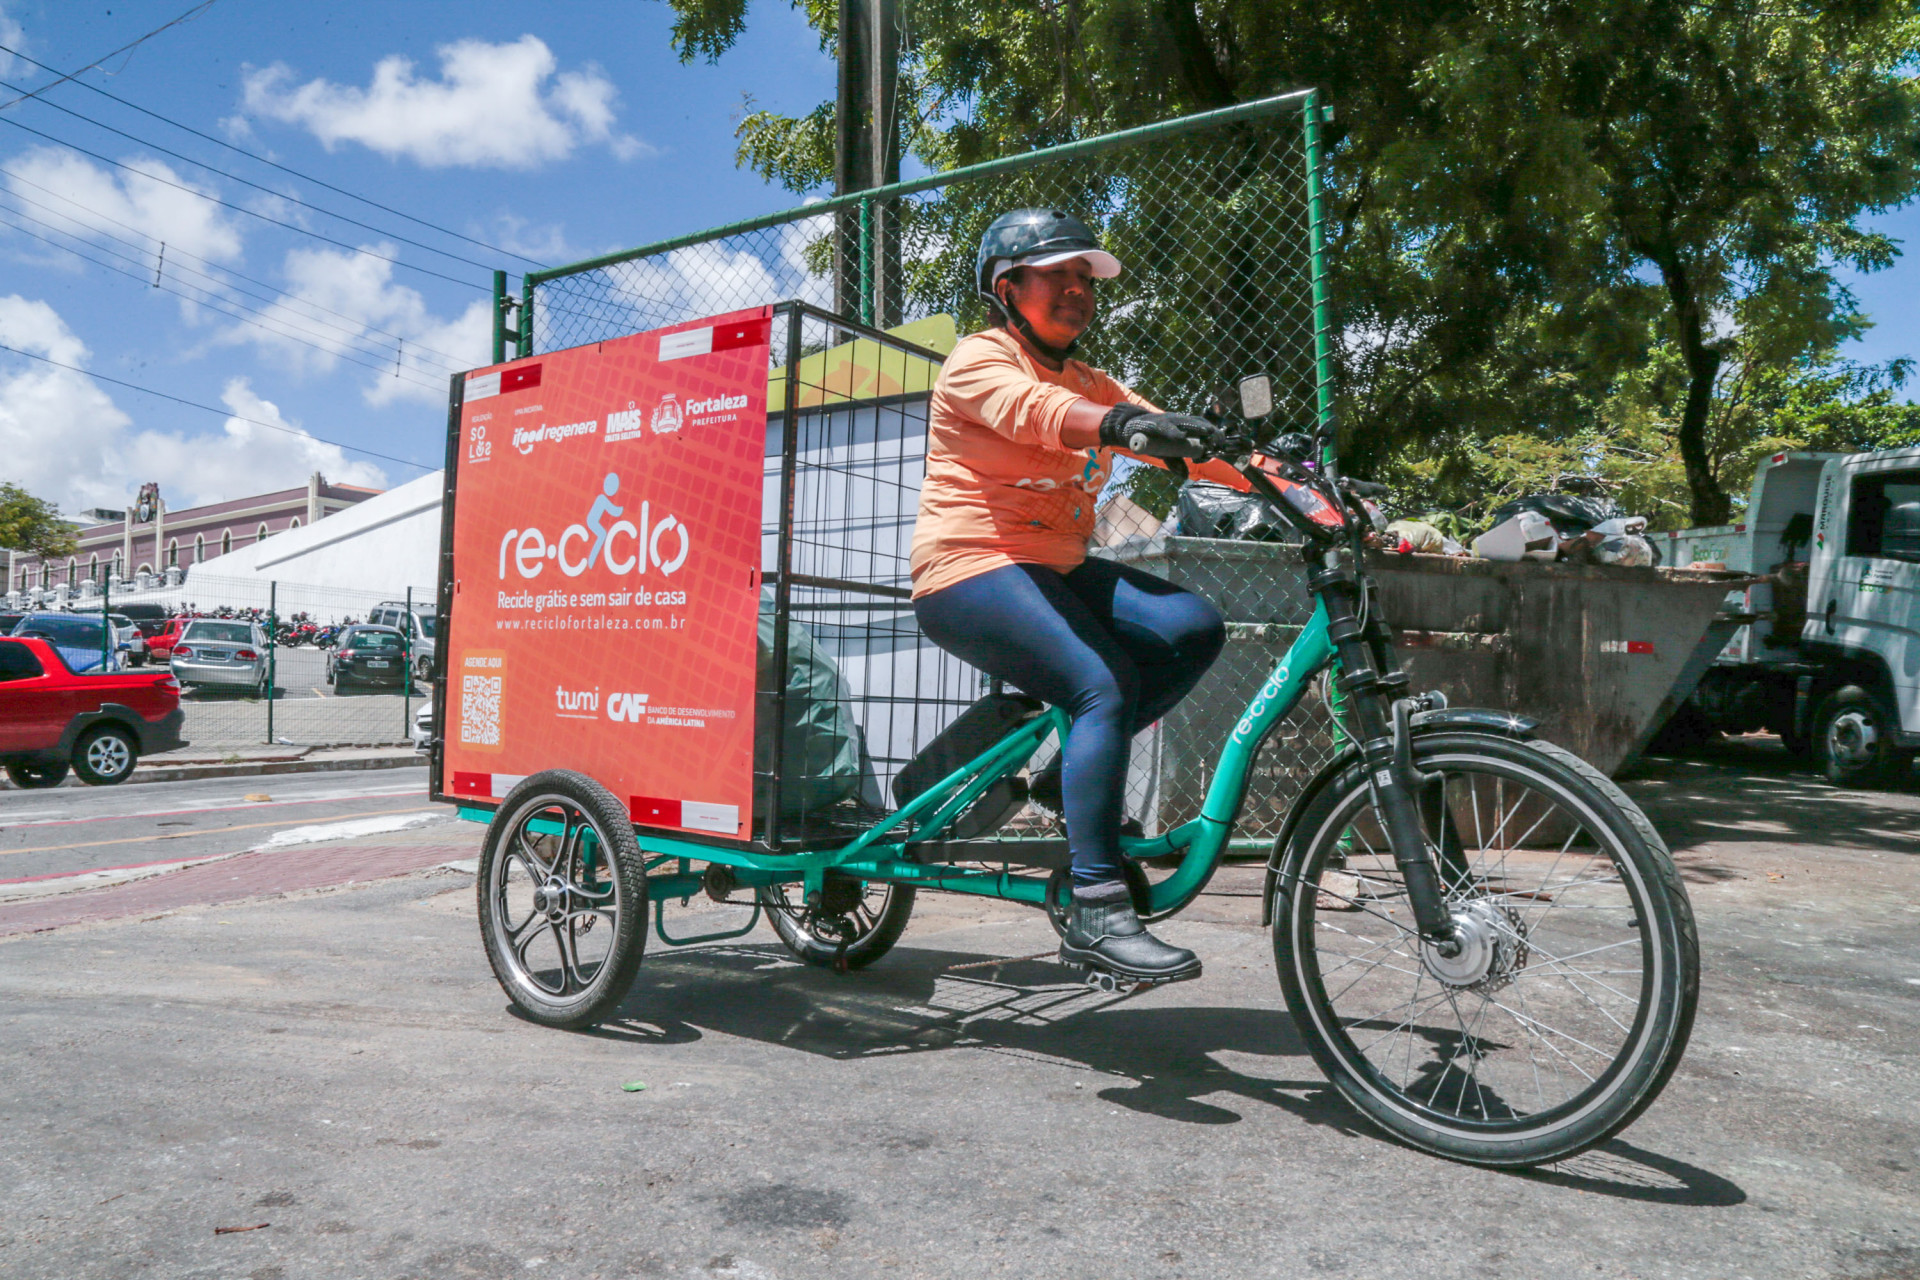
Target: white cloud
[(62, 436), (14, 38), (82, 199), (497, 106), (341, 303), (706, 279)]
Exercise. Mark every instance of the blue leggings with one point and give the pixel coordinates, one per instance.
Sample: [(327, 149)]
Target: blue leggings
[(1112, 646)]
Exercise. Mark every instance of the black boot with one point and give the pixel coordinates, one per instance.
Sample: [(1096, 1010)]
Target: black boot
[(1104, 935)]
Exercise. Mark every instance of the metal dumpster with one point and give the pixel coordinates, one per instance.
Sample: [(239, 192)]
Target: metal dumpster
[(1600, 656)]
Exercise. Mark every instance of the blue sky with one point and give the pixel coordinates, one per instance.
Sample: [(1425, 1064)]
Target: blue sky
[(558, 130)]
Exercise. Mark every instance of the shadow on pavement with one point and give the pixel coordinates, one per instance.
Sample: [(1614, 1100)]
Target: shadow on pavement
[(1719, 794), (1626, 1172), (1160, 1059)]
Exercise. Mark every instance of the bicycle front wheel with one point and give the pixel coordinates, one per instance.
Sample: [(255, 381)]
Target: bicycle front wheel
[(1571, 998)]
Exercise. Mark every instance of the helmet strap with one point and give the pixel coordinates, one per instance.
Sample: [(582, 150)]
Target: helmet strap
[(1010, 315)]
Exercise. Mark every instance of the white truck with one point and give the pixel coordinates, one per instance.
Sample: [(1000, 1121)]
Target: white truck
[(1831, 658)]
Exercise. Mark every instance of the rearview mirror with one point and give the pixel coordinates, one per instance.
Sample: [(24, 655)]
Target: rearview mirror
[(1256, 396)]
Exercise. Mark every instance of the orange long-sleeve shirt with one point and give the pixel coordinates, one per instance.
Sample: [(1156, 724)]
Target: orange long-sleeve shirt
[(1001, 489)]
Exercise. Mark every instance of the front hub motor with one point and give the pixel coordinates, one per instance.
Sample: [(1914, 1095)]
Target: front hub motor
[(1492, 942)]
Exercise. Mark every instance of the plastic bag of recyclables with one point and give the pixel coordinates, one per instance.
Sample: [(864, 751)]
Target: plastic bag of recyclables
[(1555, 526)]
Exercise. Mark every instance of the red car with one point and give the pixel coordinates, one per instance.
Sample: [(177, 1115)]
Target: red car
[(52, 719), (160, 643)]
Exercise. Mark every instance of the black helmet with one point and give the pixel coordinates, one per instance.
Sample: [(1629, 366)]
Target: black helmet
[(1038, 237)]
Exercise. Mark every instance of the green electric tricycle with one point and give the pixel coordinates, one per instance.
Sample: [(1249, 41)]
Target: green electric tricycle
[(1482, 940)]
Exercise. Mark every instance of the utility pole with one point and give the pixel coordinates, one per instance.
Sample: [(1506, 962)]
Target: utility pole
[(866, 154)]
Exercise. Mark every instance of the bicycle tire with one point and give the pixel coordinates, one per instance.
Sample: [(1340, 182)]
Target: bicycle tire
[(556, 882), (1409, 1101), (878, 927)]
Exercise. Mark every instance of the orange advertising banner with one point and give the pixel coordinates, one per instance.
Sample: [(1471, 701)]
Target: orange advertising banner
[(606, 572)]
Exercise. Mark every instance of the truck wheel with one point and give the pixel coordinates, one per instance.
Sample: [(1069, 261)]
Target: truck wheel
[(105, 756), (32, 777), (1855, 740)]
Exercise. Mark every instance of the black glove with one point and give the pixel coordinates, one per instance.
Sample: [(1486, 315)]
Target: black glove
[(1160, 435)]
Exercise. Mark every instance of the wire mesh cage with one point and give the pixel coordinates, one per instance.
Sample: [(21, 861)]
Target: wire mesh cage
[(1214, 219)]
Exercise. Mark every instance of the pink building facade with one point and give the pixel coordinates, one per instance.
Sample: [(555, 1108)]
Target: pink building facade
[(124, 548)]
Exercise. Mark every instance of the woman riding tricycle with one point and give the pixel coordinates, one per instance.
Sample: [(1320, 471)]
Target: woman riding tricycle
[(1482, 940)]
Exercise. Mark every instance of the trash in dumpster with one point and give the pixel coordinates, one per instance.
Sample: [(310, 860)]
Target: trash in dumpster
[(1208, 510), (1569, 513), (1582, 530), (1425, 539), (1527, 534)]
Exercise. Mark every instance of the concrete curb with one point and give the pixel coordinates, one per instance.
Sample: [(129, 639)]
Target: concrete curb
[(254, 769)]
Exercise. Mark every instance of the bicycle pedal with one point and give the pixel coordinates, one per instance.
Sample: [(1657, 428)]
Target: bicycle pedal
[(1111, 983)]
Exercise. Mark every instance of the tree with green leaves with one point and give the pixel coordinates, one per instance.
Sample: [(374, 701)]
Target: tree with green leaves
[(33, 524), (1528, 198)]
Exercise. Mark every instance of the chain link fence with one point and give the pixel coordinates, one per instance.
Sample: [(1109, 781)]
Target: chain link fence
[(1214, 218), (290, 664)]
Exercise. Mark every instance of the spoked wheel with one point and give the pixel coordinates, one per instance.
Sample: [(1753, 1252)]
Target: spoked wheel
[(563, 900), (1572, 994), (865, 916)]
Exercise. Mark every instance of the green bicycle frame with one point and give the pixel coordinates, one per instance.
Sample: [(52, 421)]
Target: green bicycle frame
[(1201, 841)]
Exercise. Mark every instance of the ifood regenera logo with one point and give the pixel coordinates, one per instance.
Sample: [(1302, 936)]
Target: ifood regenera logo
[(623, 546), (524, 438)]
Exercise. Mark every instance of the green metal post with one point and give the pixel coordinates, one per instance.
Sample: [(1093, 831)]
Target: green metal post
[(1317, 237), (273, 626), (526, 318), (866, 262), (1312, 116), (499, 316), (406, 697)]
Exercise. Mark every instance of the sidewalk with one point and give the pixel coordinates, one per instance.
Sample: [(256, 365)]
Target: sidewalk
[(261, 873), (260, 761)]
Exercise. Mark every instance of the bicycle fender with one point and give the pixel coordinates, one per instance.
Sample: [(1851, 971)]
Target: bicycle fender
[(1507, 724)]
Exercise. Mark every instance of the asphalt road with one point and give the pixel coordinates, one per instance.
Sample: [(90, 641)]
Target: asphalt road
[(338, 1073), (76, 829)]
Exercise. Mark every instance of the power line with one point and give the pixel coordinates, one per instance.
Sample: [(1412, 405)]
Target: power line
[(257, 157), (207, 408), (191, 13), (251, 213), (279, 195), (246, 315), (453, 361)]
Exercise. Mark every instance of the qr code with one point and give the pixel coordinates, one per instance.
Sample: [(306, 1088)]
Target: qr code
[(480, 710)]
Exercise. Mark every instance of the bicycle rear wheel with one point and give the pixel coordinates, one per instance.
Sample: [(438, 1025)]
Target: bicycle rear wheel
[(1572, 997)]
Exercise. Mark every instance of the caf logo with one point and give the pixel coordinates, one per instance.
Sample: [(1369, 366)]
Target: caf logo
[(666, 415)]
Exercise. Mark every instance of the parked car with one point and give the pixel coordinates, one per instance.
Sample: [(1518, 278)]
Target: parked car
[(8, 621), (82, 640), (225, 652), (99, 725), (129, 635), (422, 733), (418, 624), (368, 656), (160, 644)]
